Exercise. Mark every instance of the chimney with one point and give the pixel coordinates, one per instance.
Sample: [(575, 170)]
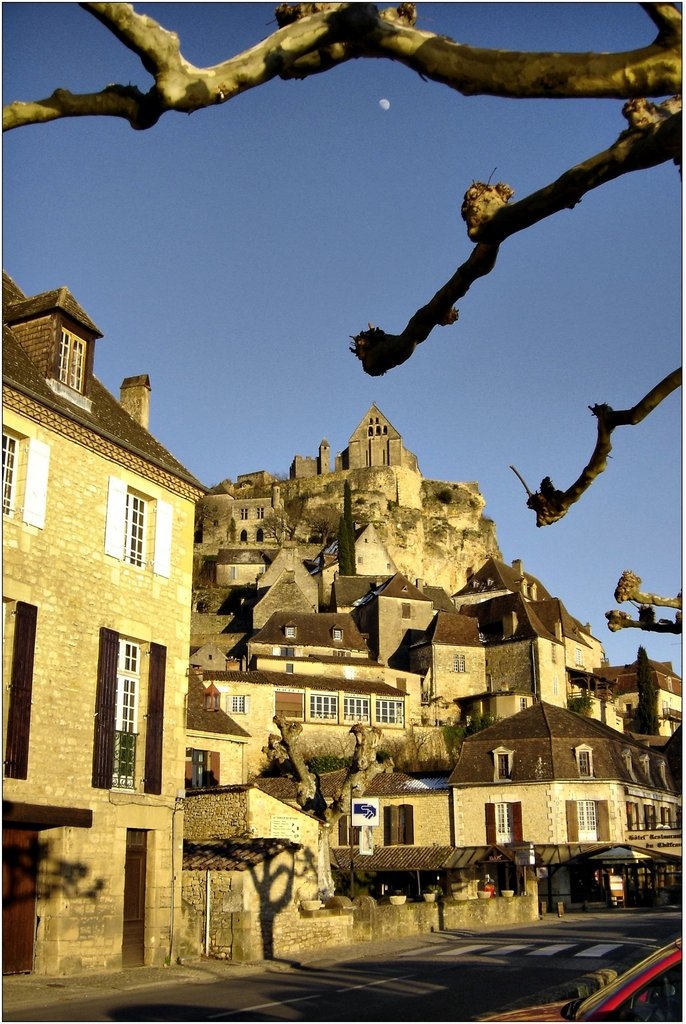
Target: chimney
[(420, 584), (134, 396), (517, 566)]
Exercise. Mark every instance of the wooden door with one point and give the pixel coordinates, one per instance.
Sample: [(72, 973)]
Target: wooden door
[(133, 936), (19, 871)]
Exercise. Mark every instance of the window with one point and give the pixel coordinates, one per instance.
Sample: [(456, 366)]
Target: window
[(72, 361), (459, 663), (289, 632), (244, 513), (631, 815), (284, 652), (398, 825), (259, 512), (134, 543), (138, 528), (323, 706), (503, 762), (289, 703), (337, 633), (584, 761), (126, 717), (579, 657), (25, 464), (346, 835), (504, 823), (645, 765), (202, 768), (356, 709), (118, 694), (406, 611), (9, 473), (239, 704), (290, 669), (588, 821), (649, 817), (390, 712), (556, 685), (522, 704), (212, 701)]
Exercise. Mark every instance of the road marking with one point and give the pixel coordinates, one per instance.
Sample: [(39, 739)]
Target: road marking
[(600, 949), (302, 999), (463, 949), (506, 949), (552, 950)]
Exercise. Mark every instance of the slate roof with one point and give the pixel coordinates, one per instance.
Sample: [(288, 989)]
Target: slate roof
[(439, 598), (289, 681), (312, 629), (543, 738), (492, 614), (197, 718), (396, 586), (346, 590), (19, 307), (232, 854), (107, 417)]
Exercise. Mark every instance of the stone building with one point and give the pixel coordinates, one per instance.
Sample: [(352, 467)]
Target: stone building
[(374, 442), (97, 574), (572, 787), (622, 679)]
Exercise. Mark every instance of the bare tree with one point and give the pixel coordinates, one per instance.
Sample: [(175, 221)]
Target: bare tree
[(282, 522), (312, 38), (629, 589)]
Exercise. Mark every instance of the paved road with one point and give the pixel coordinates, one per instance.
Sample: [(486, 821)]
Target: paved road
[(444, 976)]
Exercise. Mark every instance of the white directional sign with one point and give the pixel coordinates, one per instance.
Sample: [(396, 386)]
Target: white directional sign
[(365, 811)]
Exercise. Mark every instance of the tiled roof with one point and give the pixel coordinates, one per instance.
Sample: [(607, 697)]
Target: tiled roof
[(453, 629), (46, 302), (399, 858), (492, 614), (107, 417), (495, 575), (200, 720), (383, 784), (312, 629), (346, 590), (290, 681), (439, 598), (232, 854), (543, 738), (285, 788)]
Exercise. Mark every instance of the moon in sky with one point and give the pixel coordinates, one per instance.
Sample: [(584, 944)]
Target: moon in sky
[(384, 104)]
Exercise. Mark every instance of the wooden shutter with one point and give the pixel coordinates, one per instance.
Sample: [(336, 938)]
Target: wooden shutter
[(517, 830), (390, 826), (490, 824), (105, 710), (572, 821), (115, 524), (152, 782), (215, 762), (36, 488), (21, 686), (163, 539), (603, 820), (188, 773), (406, 824), (343, 838)]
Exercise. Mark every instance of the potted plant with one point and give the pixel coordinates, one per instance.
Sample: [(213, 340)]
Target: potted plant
[(397, 898), (431, 893), (507, 893)]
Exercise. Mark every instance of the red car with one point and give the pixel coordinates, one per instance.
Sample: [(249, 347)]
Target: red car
[(649, 991)]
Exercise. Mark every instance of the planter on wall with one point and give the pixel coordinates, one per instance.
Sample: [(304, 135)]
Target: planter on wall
[(430, 897), (310, 904), (397, 901), (484, 895), (507, 893)]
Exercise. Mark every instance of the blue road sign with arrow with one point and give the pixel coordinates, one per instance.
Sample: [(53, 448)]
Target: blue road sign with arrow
[(365, 811)]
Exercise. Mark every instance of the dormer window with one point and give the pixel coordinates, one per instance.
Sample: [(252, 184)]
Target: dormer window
[(628, 762), (212, 698), (289, 632), (584, 761), (72, 361), (502, 764), (337, 633), (645, 765), (662, 773)]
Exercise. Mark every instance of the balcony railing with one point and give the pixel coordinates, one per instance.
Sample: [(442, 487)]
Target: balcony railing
[(124, 774)]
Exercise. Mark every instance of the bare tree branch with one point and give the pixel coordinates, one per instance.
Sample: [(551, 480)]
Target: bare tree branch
[(490, 221), (551, 505), (286, 749), (315, 37), (629, 589)]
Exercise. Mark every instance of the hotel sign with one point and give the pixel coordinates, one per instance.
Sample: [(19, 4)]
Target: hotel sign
[(662, 840)]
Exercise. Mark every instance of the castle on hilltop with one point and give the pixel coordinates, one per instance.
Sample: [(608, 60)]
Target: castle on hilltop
[(375, 442)]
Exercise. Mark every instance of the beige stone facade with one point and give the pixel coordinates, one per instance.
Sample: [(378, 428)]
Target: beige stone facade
[(93, 764)]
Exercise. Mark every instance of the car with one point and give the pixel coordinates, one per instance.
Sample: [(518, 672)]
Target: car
[(648, 991)]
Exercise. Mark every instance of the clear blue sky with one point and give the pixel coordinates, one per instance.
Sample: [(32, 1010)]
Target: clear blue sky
[(231, 255)]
